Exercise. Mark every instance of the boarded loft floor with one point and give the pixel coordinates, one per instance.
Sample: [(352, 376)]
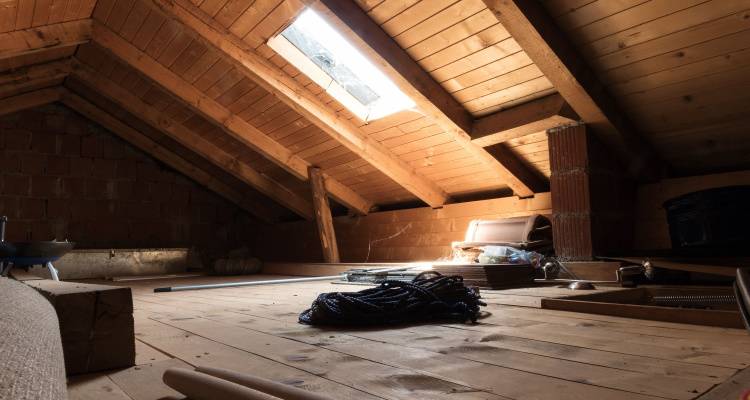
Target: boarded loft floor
[(518, 352)]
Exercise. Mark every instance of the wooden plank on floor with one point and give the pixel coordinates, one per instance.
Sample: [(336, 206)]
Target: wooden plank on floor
[(94, 387), (559, 354), (145, 354), (698, 385), (382, 360), (372, 377), (737, 387), (144, 382), (204, 351), (454, 343)]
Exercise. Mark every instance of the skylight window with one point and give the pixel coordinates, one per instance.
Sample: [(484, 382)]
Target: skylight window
[(316, 49)]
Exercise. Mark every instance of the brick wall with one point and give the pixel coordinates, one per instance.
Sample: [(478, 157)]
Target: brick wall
[(64, 177), (418, 234)]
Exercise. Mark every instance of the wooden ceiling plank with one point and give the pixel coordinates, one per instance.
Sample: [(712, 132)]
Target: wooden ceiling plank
[(535, 116), (538, 35), (410, 77), (231, 123), (193, 141), (44, 38), (510, 160), (154, 149), (287, 89), (28, 100)]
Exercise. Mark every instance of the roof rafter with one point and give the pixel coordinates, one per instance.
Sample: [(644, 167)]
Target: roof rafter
[(531, 117), (548, 47), (44, 38), (193, 141), (154, 149), (27, 100), (213, 111), (430, 96), (33, 77), (504, 155), (296, 96)]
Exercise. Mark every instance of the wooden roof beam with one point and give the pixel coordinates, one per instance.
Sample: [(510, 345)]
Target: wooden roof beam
[(213, 111), (58, 68), (547, 45), (159, 152), (521, 170), (44, 38), (193, 141), (429, 96), (28, 100), (33, 77), (531, 117), (300, 99)]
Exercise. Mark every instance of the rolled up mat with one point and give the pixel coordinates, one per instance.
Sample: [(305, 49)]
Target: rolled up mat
[(199, 386), (277, 389), (32, 365)]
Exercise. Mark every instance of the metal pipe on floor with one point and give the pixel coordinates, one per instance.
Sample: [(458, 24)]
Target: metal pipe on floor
[(246, 283)]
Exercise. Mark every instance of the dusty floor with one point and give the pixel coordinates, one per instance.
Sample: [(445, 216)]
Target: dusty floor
[(517, 352)]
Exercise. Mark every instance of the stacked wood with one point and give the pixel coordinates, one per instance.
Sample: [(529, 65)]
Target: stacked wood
[(492, 276), (96, 324)]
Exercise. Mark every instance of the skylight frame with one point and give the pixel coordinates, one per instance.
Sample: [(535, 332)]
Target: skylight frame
[(318, 33)]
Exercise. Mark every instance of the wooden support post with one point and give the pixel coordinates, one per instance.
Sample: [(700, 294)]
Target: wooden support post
[(323, 216), (592, 199)]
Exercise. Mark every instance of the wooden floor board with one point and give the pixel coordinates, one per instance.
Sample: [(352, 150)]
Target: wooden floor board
[(516, 352)]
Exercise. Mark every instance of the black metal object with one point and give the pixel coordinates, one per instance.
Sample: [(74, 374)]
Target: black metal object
[(742, 293), (429, 297), (713, 219), (34, 253), (6, 249), (25, 254)]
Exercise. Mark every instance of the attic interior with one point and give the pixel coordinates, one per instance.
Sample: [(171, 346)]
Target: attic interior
[(374, 199)]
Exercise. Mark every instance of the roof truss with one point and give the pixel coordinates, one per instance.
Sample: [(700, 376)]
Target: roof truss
[(480, 137), (429, 95), (141, 141), (213, 111), (44, 38), (534, 116), (193, 141), (538, 35), (296, 96)]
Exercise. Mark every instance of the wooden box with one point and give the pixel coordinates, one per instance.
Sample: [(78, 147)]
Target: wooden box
[(96, 324)]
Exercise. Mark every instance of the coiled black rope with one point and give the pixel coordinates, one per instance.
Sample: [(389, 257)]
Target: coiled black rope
[(430, 296)]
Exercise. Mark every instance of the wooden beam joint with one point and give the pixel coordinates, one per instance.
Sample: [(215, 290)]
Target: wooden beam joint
[(531, 117)]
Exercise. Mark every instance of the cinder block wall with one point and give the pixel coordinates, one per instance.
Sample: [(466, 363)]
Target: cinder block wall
[(418, 234), (64, 177)]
